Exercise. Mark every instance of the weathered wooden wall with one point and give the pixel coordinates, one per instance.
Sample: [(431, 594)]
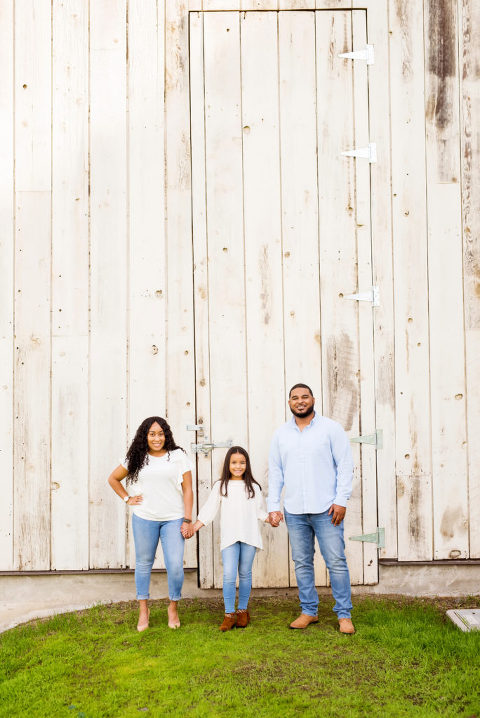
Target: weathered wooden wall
[(97, 314)]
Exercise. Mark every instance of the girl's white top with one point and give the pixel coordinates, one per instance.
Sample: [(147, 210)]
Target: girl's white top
[(239, 515), (160, 483)]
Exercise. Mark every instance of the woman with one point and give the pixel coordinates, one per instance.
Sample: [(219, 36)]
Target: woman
[(159, 476)]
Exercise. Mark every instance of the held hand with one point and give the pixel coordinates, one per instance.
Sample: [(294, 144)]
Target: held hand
[(135, 500), (338, 514), (274, 518), (187, 530)]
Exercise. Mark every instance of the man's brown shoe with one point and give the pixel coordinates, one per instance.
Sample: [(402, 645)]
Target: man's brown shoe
[(303, 621), (228, 622), (243, 619), (346, 625)]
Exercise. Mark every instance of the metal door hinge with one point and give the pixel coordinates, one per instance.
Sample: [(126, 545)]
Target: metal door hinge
[(367, 54), (368, 153), (378, 538), (375, 439), (373, 295), (208, 446)]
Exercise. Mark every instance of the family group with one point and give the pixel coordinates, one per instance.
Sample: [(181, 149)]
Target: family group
[(310, 460)]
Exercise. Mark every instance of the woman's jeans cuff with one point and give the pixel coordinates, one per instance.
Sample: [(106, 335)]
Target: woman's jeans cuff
[(143, 598)]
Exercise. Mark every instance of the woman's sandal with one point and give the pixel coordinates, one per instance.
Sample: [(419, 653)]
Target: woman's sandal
[(143, 626)]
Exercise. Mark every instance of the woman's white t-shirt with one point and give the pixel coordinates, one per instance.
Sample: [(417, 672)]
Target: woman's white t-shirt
[(160, 483), (239, 515)]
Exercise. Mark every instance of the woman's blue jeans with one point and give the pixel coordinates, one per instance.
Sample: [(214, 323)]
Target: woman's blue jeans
[(237, 557), (302, 529), (146, 535)]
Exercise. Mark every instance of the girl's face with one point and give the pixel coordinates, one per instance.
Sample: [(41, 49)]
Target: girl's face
[(238, 465), (155, 438)]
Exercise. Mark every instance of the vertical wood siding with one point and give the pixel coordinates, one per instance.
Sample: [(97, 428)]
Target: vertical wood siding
[(7, 257), (469, 72), (445, 280), (70, 273), (409, 216), (32, 309), (101, 323), (299, 199)]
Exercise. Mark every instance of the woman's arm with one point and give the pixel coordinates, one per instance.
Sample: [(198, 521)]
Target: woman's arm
[(114, 480), (197, 525), (186, 528)]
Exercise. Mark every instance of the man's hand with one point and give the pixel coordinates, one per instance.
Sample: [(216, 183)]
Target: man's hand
[(274, 518), (338, 513), (187, 530)]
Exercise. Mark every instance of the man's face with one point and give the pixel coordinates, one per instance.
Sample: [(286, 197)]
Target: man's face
[(301, 402)]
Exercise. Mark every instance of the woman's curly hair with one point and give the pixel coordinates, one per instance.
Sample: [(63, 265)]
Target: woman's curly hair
[(137, 454)]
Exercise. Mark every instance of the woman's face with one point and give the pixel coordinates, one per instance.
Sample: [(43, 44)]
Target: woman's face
[(155, 438), (238, 464)]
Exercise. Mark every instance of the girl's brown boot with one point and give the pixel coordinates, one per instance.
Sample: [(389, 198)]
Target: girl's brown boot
[(228, 622), (243, 619)]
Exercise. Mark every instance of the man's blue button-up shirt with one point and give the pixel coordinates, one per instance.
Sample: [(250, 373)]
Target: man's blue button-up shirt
[(315, 466)]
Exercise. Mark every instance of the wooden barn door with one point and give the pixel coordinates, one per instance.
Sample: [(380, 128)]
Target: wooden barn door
[(281, 233)]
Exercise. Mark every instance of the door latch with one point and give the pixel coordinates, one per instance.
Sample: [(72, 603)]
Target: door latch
[(206, 447)]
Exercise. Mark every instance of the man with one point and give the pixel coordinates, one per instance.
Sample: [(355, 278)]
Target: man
[(310, 455)]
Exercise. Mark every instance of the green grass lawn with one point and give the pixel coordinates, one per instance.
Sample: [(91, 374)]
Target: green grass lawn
[(406, 659)]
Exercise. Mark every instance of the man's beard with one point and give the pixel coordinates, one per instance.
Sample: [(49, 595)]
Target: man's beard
[(302, 414)]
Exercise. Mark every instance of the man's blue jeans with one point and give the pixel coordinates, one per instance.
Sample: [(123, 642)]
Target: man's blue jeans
[(302, 529), (146, 535), (237, 557)]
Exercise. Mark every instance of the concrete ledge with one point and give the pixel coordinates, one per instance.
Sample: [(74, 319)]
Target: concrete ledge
[(23, 597)]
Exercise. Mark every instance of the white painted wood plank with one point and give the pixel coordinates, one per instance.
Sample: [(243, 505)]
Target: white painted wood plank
[(333, 4), (445, 283), (338, 252), (365, 310), (296, 4), (263, 266), (413, 450), (32, 286), (147, 283), (298, 141), (32, 382), (32, 90), (259, 4), (108, 283), (470, 167), (221, 4), (69, 471), (202, 361), (7, 249), (381, 218), (180, 372), (147, 359), (228, 368)]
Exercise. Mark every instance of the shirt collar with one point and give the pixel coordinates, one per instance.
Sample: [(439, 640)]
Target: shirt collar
[(294, 423)]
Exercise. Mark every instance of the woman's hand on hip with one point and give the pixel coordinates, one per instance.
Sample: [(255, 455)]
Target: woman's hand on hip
[(135, 500)]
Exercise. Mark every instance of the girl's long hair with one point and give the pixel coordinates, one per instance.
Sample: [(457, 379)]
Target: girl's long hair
[(247, 477), (137, 454)]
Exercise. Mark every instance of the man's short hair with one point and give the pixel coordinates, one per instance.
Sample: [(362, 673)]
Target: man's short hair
[(299, 386)]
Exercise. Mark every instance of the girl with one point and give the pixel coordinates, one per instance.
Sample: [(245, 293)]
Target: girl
[(160, 477), (240, 498)]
